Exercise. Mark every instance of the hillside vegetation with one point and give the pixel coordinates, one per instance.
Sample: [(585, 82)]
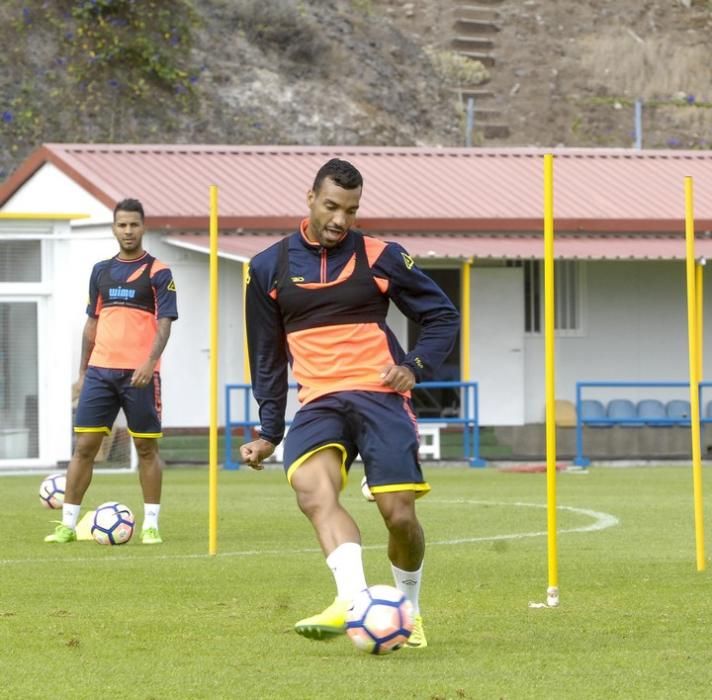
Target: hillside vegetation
[(375, 72)]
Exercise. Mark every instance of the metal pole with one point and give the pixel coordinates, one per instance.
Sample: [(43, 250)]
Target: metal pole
[(552, 593), (638, 124), (213, 429), (470, 121), (693, 347)]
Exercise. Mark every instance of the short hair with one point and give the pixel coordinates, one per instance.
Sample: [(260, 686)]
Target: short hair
[(129, 205), (343, 173)]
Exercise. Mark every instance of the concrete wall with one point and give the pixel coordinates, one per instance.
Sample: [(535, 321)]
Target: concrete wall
[(635, 329)]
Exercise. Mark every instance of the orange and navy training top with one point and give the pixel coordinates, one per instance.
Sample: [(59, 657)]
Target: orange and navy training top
[(128, 296), (323, 312)]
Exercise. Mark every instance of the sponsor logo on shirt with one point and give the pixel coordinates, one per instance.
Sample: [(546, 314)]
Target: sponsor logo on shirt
[(121, 293)]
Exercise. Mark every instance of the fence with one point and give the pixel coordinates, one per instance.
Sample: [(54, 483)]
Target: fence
[(468, 418), (624, 416)]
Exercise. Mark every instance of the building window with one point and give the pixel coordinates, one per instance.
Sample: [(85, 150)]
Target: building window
[(20, 261), (567, 292), (19, 380)]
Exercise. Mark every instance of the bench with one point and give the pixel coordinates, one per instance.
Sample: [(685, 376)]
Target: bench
[(633, 412)]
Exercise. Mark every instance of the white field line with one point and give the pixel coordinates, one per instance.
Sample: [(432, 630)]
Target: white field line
[(601, 521)]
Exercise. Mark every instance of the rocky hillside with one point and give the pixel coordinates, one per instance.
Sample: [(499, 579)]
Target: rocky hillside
[(569, 73), (385, 72)]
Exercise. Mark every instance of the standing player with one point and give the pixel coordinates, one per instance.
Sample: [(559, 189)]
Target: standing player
[(318, 300), (132, 303)]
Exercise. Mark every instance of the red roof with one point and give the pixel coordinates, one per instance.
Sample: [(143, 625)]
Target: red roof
[(462, 246), (406, 189)]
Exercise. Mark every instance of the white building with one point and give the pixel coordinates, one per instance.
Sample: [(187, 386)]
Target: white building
[(471, 217)]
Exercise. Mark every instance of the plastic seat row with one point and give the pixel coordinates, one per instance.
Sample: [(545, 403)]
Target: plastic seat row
[(645, 412)]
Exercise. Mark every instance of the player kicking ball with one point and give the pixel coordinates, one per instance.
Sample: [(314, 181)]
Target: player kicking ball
[(318, 300)]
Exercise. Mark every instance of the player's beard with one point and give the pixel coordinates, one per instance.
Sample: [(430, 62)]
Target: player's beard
[(131, 248)]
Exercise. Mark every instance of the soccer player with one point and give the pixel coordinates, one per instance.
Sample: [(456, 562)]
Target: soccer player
[(132, 303), (318, 300)]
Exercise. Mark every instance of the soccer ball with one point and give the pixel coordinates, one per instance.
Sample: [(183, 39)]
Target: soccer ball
[(52, 491), (113, 523), (381, 620), (366, 491)]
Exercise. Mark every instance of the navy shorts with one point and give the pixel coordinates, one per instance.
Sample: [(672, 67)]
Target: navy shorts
[(379, 426), (105, 391)]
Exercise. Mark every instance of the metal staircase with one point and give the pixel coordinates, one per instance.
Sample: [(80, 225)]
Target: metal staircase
[(474, 30)]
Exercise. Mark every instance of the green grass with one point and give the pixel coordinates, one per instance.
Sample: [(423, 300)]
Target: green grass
[(85, 621)]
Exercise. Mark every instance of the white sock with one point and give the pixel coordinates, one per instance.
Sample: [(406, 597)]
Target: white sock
[(70, 515), (150, 515), (408, 582), (346, 564)]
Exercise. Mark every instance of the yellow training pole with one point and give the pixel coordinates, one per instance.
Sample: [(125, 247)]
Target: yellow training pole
[(213, 445), (552, 593), (245, 357), (465, 312), (693, 337), (700, 296)]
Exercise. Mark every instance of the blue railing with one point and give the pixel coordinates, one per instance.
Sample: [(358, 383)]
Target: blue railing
[(580, 459), (468, 409)]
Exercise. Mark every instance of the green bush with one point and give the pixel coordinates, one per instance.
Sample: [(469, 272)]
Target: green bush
[(135, 46), (109, 62)]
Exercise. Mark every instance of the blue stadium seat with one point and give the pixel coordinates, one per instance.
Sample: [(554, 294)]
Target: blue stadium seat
[(622, 409), (592, 409), (651, 411), (679, 410)]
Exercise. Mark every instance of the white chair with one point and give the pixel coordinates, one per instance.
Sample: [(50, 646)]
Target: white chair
[(430, 439)]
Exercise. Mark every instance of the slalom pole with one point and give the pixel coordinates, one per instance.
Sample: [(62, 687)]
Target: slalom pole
[(699, 300), (245, 355), (552, 593), (693, 338), (213, 441), (470, 435), (466, 310)]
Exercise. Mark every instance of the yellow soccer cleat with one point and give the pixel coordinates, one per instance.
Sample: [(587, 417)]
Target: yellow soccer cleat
[(62, 534), (417, 638), (327, 624), (151, 536)]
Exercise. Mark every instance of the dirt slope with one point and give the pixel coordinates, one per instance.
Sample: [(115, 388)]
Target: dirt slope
[(570, 72), (383, 72)]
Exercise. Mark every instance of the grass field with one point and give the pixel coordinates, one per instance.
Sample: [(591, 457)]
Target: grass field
[(86, 621)]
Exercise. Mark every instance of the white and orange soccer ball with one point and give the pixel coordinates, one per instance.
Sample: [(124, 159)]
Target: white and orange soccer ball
[(113, 523), (52, 491), (381, 620)]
